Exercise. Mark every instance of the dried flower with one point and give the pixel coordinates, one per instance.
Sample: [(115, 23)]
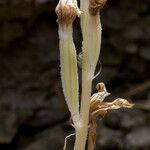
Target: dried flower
[(98, 109), (95, 6)]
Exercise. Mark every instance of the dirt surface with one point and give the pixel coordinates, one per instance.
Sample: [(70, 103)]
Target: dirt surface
[(33, 113)]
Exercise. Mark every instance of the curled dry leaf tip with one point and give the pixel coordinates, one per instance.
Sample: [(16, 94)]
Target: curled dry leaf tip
[(120, 102)]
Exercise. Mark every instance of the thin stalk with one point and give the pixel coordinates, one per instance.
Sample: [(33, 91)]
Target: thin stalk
[(91, 143), (67, 11), (91, 30), (69, 75), (82, 130)]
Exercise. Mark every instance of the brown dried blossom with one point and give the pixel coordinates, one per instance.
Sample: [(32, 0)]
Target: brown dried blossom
[(98, 109), (67, 12), (95, 6)]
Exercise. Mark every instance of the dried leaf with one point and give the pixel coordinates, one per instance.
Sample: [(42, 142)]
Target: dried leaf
[(98, 109)]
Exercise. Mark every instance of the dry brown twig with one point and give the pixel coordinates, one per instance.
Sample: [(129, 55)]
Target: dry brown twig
[(98, 109)]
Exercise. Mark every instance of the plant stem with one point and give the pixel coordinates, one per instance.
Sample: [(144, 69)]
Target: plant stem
[(69, 75), (91, 30), (67, 11), (82, 130)]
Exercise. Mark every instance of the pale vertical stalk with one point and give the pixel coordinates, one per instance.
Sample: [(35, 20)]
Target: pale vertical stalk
[(69, 75), (89, 48), (67, 11), (91, 31), (81, 131)]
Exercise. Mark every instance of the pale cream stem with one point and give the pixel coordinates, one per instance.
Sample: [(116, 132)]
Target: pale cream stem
[(91, 31), (67, 11)]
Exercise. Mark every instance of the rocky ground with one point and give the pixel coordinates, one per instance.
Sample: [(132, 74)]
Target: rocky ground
[(33, 114)]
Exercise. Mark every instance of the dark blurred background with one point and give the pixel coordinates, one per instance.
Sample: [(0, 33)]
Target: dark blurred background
[(33, 113)]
